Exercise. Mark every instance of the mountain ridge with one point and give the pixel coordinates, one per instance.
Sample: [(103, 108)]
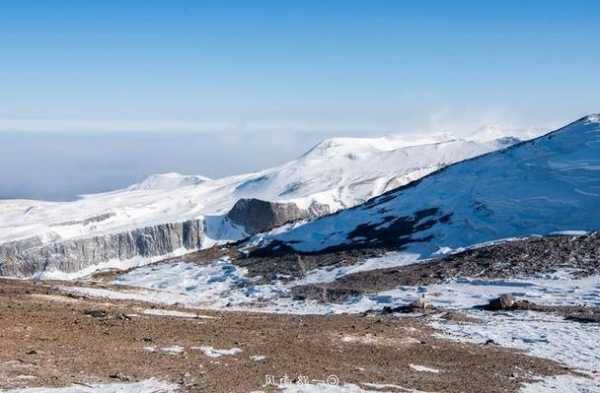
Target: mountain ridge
[(60, 233), (427, 216)]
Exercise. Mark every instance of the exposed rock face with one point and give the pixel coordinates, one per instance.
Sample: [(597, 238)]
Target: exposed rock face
[(28, 257), (257, 216)]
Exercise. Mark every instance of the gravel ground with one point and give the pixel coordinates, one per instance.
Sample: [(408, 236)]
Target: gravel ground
[(50, 339), (513, 259)]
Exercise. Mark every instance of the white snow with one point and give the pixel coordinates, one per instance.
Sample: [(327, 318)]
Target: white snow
[(391, 386), (113, 264), (174, 313), (222, 285), (216, 286), (391, 259), (258, 358), (168, 181), (551, 289), (173, 349), (564, 384), (212, 286), (217, 353), (339, 173), (345, 388), (543, 335), (539, 187), (147, 386), (424, 369)]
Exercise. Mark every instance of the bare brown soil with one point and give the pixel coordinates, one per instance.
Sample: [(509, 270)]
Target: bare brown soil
[(50, 339)]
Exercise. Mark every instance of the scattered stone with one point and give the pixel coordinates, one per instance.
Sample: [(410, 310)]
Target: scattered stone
[(583, 314), (503, 303), (592, 317), (98, 314), (323, 293), (119, 376), (460, 317), (421, 305), (512, 259)]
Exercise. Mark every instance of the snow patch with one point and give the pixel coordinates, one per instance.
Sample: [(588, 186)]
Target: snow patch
[(542, 335), (147, 386), (424, 369), (345, 388), (173, 349), (217, 353), (176, 314), (563, 384), (391, 259)]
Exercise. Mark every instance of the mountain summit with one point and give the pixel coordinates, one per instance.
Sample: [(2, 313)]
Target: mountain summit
[(545, 185)]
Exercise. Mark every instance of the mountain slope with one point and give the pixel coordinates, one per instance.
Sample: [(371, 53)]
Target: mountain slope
[(545, 185), (330, 177), (138, 221)]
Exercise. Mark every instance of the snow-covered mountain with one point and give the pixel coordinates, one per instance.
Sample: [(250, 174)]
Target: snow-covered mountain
[(140, 220), (168, 181), (541, 186)]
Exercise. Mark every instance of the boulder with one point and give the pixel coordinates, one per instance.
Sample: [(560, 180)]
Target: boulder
[(256, 215), (504, 302)]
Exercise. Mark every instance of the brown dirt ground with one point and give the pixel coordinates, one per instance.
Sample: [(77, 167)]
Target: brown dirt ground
[(47, 336)]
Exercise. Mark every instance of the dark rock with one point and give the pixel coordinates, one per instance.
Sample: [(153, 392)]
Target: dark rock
[(504, 302), (256, 215), (98, 314)]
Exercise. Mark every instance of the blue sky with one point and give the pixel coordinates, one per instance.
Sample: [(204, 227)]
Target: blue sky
[(377, 66), (264, 80)]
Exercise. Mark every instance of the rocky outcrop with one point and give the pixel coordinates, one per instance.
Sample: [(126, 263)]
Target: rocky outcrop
[(29, 257), (257, 216)]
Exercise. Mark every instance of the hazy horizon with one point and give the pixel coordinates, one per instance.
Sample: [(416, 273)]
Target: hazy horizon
[(59, 166), (97, 95)]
